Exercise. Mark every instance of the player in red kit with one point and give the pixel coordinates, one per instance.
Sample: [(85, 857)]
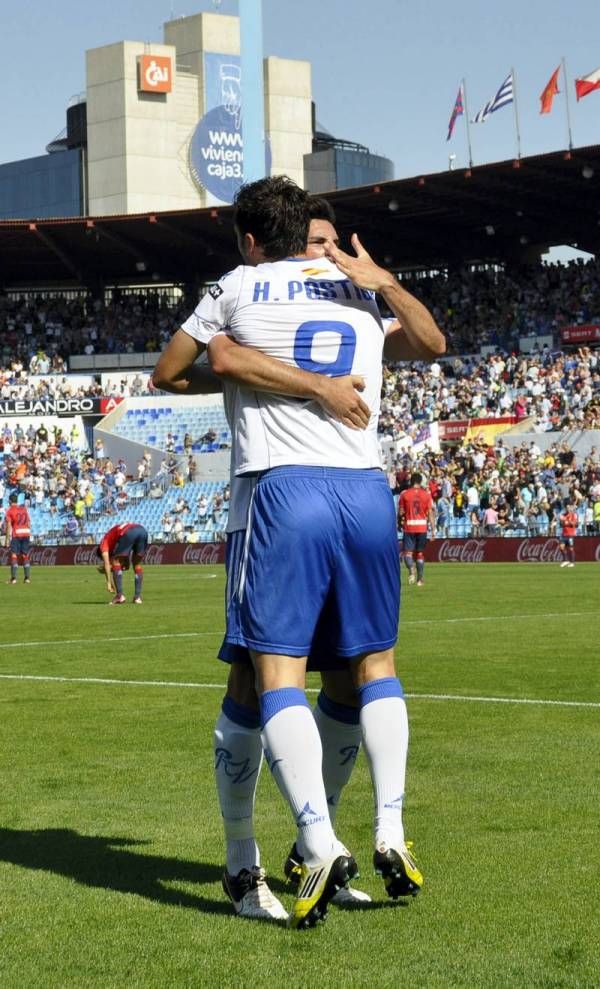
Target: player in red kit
[(18, 532), (569, 522), (415, 512), (121, 546)]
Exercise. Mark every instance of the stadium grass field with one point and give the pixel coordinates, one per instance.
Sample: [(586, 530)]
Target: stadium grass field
[(110, 838)]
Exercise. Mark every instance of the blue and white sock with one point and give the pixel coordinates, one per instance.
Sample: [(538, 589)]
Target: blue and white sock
[(341, 735), (294, 754), (238, 759), (384, 723)]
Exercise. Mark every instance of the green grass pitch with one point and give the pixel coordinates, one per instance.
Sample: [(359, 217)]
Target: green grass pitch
[(110, 837)]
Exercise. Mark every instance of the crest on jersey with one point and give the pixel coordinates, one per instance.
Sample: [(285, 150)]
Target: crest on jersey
[(215, 291)]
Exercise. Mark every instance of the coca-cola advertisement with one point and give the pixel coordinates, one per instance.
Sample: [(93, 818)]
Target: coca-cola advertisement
[(50, 556), (538, 549)]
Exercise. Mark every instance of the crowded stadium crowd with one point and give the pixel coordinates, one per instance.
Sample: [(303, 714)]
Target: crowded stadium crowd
[(471, 307), (487, 487)]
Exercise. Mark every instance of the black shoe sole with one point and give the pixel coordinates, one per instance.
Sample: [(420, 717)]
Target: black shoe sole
[(342, 871), (391, 869)]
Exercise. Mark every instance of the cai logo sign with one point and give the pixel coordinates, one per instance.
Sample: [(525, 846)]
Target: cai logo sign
[(216, 154), (154, 74)]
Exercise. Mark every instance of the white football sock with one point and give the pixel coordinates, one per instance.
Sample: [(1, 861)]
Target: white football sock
[(340, 740), (238, 758), (384, 723), (293, 751)]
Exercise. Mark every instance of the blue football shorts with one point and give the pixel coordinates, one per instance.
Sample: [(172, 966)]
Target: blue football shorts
[(322, 655), (319, 567), (134, 540), (414, 542)]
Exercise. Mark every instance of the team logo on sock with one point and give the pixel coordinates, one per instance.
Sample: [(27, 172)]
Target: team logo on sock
[(238, 772), (395, 804), (308, 816), (348, 754)]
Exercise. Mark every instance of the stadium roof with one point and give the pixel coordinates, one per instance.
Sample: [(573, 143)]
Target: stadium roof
[(505, 211)]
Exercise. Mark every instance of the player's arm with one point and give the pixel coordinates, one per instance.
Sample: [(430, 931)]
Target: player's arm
[(416, 335), (177, 371), (107, 569), (252, 369), (431, 517)]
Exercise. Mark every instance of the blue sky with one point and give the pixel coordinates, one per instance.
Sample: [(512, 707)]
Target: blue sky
[(385, 72)]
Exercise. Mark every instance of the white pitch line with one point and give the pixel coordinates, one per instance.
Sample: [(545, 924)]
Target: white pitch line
[(119, 638), (190, 635), (541, 702), (499, 618), (502, 700)]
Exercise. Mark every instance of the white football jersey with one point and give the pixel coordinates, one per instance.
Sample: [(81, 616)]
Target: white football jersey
[(305, 313)]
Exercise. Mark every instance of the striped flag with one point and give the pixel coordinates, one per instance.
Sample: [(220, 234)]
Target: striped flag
[(456, 112), (503, 97)]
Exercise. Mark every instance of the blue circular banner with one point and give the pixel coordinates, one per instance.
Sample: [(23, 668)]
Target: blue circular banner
[(217, 154)]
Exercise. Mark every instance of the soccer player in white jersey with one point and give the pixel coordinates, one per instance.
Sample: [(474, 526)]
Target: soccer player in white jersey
[(237, 742), (312, 526)]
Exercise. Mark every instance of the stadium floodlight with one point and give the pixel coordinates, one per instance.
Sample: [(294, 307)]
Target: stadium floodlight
[(490, 230), (393, 205), (587, 171)]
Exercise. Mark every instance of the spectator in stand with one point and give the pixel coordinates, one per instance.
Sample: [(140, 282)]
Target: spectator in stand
[(444, 515), (490, 519), (187, 443), (209, 436), (178, 530), (181, 506), (202, 507), (71, 529)]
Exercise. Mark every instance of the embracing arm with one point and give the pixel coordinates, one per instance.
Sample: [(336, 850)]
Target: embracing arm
[(176, 371), (252, 369), (415, 335)]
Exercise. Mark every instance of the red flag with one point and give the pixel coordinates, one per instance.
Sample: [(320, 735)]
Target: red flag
[(587, 84), (456, 112), (550, 91)]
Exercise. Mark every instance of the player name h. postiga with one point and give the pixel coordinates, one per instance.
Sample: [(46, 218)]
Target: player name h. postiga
[(313, 289)]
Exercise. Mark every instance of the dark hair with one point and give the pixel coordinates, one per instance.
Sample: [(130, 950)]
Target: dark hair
[(13, 499), (275, 211), (320, 209), (416, 478)]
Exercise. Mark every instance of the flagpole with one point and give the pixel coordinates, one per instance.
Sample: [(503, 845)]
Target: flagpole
[(466, 108), (514, 86), (568, 111)]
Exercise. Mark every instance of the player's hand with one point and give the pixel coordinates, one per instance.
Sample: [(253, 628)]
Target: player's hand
[(360, 269), (340, 399), (110, 587)]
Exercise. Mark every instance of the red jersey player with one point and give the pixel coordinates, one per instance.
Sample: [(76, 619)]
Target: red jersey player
[(569, 522), (120, 546), (18, 532), (415, 512)]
